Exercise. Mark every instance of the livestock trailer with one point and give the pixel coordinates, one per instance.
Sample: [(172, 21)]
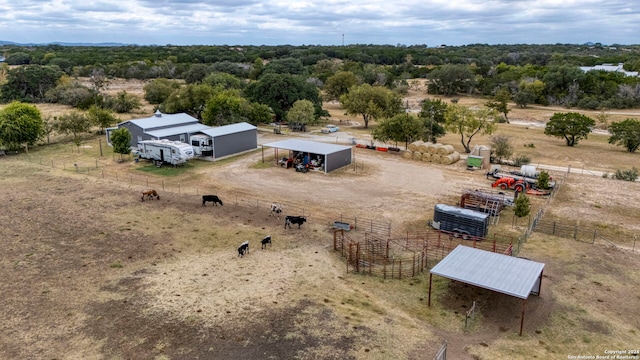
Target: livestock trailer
[(460, 222)]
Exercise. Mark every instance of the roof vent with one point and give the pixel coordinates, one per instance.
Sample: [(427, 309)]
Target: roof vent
[(157, 113)]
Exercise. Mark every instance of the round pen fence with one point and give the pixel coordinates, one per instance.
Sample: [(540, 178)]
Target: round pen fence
[(408, 256)]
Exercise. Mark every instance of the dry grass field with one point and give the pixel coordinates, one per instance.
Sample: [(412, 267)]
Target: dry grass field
[(92, 272)]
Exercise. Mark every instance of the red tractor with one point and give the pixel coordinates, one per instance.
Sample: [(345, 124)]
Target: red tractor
[(505, 183)]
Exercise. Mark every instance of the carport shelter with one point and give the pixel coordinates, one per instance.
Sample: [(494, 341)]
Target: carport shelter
[(333, 156), (492, 271)]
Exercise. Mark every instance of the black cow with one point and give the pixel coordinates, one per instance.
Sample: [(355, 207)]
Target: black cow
[(265, 241), (213, 198), (294, 220), (243, 249)]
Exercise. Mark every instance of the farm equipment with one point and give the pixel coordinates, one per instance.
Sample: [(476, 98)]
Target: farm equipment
[(519, 185)]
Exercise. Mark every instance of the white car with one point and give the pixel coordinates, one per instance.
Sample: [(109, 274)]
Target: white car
[(329, 129)]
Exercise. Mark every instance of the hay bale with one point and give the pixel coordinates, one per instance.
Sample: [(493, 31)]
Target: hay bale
[(414, 145), (445, 150), (426, 157), (450, 159), (435, 148), (424, 147), (436, 158), (407, 154), (417, 155)]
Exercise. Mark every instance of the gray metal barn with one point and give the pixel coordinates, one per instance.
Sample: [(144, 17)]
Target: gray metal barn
[(496, 272), (333, 156), (226, 140)]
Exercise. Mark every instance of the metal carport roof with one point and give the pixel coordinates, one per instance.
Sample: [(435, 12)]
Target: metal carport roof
[(307, 146), (191, 129), (497, 272)]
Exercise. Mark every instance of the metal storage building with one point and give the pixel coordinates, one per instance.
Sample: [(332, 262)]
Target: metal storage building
[(333, 156), (226, 140), (492, 271)]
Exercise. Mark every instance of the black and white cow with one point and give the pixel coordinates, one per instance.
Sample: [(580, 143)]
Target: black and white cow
[(213, 198), (276, 210), (243, 249), (265, 241), (294, 220)]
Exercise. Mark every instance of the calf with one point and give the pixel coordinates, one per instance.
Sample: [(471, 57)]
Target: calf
[(213, 198), (276, 209), (243, 249), (265, 241), (150, 194), (294, 220)]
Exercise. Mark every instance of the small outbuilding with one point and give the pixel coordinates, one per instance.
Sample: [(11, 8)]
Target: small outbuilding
[(492, 271), (331, 156)]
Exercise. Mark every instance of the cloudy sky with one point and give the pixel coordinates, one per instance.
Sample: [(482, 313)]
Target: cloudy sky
[(329, 22)]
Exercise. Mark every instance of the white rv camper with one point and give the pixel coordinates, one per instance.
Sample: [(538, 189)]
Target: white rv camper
[(202, 145), (165, 151)]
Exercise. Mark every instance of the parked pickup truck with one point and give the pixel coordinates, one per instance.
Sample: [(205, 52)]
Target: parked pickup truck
[(329, 129)]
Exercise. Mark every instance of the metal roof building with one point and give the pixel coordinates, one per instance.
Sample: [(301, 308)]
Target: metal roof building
[(224, 140), (333, 156), (492, 271)]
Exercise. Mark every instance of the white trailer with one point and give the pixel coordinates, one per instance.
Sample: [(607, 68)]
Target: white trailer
[(165, 151), (202, 145)]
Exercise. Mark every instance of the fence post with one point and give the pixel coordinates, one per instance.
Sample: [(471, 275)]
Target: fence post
[(594, 236), (355, 223), (575, 231), (96, 163), (52, 163), (553, 231)]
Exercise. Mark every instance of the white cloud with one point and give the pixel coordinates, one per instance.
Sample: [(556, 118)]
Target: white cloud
[(253, 22)]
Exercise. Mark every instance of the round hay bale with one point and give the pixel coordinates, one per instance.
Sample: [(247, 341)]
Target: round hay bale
[(414, 145), (435, 148), (436, 158), (424, 147), (446, 150), (426, 156), (417, 155), (450, 159), (407, 154)]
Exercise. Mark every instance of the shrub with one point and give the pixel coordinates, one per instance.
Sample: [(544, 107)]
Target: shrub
[(627, 174), (543, 180), (521, 160)]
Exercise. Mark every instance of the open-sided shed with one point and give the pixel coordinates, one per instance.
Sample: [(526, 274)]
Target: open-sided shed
[(492, 271), (333, 156)]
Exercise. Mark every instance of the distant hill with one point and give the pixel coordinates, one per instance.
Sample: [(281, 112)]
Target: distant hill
[(3, 42)]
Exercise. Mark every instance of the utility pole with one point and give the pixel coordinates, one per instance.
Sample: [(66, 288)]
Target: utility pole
[(342, 39)]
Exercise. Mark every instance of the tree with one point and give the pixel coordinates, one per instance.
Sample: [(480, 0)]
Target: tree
[(500, 103), (223, 80), (196, 73), (570, 126), (281, 91), (100, 117), (432, 113), (469, 123), (401, 127), (29, 83), (226, 107), (20, 124), (451, 79), (302, 112), (339, 84), (74, 123), (121, 141), (626, 133), (522, 205), (543, 180), (158, 90), (191, 99), (123, 102), (501, 147), (371, 102)]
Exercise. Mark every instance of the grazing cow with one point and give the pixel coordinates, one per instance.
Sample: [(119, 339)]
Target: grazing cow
[(276, 209), (265, 241), (150, 194), (213, 198), (243, 249), (294, 220)]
